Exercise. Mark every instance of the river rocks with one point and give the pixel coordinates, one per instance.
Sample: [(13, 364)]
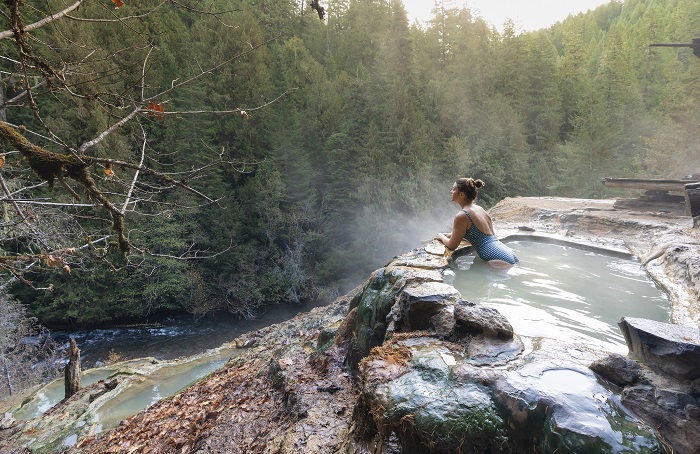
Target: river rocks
[(672, 349)]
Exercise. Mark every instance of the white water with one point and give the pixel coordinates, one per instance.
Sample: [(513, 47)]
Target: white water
[(562, 292)]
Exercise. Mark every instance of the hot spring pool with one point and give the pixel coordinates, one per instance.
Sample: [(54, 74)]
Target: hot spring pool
[(563, 292)]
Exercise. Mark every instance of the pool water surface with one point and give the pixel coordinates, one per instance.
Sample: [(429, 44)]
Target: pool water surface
[(563, 292)]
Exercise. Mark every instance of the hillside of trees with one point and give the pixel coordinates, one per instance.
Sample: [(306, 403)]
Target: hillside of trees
[(345, 138)]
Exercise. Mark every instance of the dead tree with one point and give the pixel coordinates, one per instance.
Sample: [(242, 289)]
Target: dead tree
[(73, 373)]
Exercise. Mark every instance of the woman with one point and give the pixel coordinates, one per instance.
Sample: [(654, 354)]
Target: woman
[(473, 223)]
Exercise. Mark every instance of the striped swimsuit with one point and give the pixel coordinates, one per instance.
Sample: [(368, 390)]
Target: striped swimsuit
[(488, 247)]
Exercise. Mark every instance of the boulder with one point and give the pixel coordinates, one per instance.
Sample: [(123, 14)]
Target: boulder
[(617, 369), (426, 410), (443, 322), (419, 303), (483, 319), (695, 388), (671, 349), (438, 399), (489, 351), (391, 297)]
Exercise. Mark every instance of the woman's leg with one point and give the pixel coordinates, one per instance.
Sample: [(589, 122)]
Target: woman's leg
[(500, 264)]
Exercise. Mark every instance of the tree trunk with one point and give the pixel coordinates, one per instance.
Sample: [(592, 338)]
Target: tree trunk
[(7, 375), (73, 373)]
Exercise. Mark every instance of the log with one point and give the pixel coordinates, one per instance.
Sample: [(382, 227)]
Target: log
[(647, 184), (692, 199), (73, 373)]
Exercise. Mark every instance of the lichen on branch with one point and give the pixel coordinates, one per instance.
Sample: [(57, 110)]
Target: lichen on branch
[(51, 166)]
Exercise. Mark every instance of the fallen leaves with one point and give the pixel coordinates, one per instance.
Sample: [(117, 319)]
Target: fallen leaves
[(118, 3), (243, 401)]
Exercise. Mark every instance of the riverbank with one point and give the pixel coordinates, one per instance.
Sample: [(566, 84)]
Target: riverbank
[(311, 384)]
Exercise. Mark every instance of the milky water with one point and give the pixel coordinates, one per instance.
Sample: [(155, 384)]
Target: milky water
[(563, 292)]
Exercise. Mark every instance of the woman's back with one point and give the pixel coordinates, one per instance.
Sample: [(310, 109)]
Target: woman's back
[(480, 218)]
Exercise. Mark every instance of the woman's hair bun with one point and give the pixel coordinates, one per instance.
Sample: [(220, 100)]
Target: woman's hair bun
[(479, 183)]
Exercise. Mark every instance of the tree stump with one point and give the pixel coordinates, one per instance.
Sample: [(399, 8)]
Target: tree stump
[(73, 372)]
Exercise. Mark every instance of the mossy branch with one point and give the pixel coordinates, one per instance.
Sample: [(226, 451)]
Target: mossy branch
[(51, 166)]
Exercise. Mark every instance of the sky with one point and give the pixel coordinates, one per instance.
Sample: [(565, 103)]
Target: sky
[(528, 15)]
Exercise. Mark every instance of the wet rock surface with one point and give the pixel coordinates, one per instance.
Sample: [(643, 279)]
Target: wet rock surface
[(484, 319), (617, 369), (674, 413), (439, 400), (673, 349), (403, 364)]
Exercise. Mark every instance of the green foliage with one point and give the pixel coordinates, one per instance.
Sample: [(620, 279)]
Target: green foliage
[(354, 163)]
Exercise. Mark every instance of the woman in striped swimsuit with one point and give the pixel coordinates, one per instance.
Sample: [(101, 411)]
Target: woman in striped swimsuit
[(473, 223)]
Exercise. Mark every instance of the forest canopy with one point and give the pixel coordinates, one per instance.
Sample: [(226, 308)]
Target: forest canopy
[(299, 154)]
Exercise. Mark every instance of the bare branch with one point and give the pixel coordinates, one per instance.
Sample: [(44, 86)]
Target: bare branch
[(136, 174), (27, 28), (189, 8), (106, 132), (213, 68), (155, 174), (20, 212), (56, 204), (21, 95), (238, 110), (189, 254), (6, 190), (138, 16), (143, 73)]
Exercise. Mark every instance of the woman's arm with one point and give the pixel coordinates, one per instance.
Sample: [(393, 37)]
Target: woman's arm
[(459, 229)]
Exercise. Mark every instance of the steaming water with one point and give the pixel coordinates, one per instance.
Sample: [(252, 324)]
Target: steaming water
[(562, 292)]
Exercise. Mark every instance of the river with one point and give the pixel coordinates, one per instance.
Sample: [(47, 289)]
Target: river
[(173, 337)]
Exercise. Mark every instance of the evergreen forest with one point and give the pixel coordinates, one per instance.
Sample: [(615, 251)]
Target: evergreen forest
[(337, 140)]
